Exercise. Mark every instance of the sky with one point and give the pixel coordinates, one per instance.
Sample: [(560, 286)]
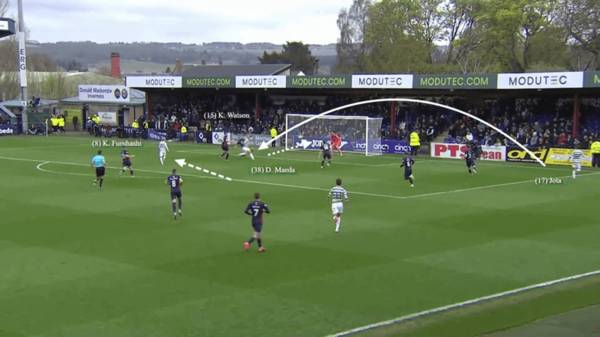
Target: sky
[(187, 21)]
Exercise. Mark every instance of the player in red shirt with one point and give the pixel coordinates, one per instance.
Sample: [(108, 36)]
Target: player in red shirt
[(336, 142)]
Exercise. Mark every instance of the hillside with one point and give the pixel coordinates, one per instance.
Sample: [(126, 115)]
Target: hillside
[(151, 57)]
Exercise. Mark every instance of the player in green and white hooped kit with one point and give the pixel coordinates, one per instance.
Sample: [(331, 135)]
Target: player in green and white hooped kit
[(338, 196), (576, 158)]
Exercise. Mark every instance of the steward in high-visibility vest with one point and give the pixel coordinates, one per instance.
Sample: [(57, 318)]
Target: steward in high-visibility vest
[(61, 123), (273, 135), (415, 143), (183, 132), (595, 149), (136, 127), (54, 123)]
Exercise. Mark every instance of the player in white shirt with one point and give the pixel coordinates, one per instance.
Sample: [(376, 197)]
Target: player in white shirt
[(162, 151), (576, 158), (338, 196), (246, 150)]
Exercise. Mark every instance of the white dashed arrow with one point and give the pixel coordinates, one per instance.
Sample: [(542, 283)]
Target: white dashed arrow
[(301, 144), (182, 163)]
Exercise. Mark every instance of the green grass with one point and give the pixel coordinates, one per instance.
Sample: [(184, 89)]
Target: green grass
[(76, 261), (508, 312)]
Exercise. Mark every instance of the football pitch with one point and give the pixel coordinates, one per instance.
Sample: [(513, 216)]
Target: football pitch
[(76, 261)]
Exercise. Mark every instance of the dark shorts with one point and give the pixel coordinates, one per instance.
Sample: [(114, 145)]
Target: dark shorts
[(470, 162), (175, 194), (257, 227), (407, 174), (126, 163), (100, 171), (225, 148), (327, 155)]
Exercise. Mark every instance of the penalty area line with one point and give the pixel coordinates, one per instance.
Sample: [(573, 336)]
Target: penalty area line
[(467, 303), (389, 196)]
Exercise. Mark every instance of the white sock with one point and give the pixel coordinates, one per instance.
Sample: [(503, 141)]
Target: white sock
[(162, 161), (338, 223), (574, 174), (251, 156)]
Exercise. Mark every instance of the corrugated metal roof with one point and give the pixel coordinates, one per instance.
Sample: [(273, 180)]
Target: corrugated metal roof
[(233, 70), (14, 103), (4, 110)]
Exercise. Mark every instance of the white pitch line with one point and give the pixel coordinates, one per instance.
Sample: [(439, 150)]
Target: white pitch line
[(462, 304), (468, 189), (265, 145), (389, 196), (39, 167), (87, 165), (394, 163), (285, 185)]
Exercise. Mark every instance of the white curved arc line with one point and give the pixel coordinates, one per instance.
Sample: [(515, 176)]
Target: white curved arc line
[(39, 167), (411, 100)]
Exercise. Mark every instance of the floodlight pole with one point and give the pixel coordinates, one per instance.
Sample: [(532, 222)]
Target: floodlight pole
[(23, 83)]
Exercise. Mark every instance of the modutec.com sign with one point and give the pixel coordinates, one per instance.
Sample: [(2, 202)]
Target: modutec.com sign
[(541, 80), (154, 81)]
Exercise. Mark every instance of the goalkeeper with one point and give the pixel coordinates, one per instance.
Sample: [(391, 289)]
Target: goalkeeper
[(336, 142)]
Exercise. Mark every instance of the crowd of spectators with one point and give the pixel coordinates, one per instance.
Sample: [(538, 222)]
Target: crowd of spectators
[(200, 112), (537, 122), (534, 122)]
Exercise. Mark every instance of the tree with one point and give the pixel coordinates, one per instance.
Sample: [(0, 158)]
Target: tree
[(350, 47), (581, 20), (41, 62), (3, 7), (510, 27), (297, 54), (104, 70), (429, 26), (394, 39), (458, 28)]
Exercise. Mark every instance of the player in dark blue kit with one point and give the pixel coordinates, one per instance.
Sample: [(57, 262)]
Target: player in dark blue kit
[(225, 148), (470, 160), (126, 161), (256, 209), (174, 181), (408, 163), (326, 154)]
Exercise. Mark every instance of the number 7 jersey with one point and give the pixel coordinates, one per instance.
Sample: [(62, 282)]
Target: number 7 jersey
[(256, 209)]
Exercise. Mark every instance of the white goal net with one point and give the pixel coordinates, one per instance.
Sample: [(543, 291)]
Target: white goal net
[(360, 134)]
